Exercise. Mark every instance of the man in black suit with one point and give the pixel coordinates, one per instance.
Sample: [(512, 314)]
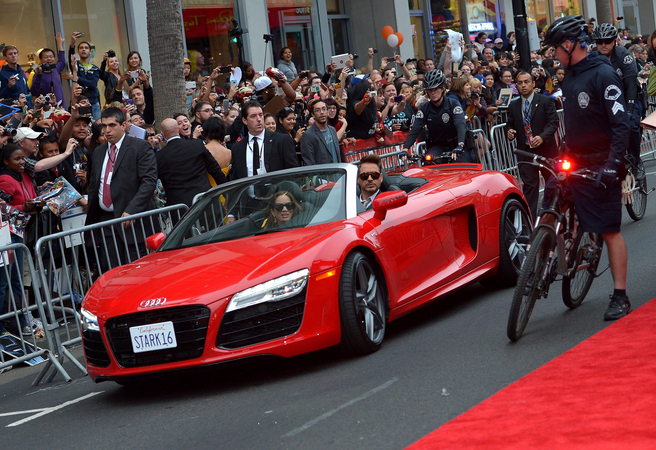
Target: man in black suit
[(122, 183), (319, 144), (182, 166), (533, 120), (261, 151)]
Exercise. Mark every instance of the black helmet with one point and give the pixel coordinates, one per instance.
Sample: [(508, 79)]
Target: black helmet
[(434, 79), (604, 31), (568, 28)]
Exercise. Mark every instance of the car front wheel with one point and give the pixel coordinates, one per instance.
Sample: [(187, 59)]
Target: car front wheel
[(363, 305)]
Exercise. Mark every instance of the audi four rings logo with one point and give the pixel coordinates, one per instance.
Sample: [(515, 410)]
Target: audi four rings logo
[(152, 302)]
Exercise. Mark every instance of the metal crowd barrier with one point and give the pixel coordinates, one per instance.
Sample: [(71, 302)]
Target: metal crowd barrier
[(648, 144), (70, 261), (21, 347), (503, 151)]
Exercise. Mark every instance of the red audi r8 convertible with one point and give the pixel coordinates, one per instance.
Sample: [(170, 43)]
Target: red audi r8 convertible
[(244, 274)]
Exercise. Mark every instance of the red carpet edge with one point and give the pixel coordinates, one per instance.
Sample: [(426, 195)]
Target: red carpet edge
[(599, 395)]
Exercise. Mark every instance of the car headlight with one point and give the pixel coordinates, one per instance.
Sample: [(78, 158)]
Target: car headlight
[(89, 321), (271, 291)]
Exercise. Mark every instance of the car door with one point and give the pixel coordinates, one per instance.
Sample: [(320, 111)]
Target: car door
[(417, 244)]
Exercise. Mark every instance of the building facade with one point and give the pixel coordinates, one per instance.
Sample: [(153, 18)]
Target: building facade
[(315, 30)]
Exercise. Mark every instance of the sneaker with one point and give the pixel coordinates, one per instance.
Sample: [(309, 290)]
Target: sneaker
[(617, 308), (27, 330)]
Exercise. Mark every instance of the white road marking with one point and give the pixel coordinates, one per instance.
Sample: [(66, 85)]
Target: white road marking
[(339, 408), (44, 411)]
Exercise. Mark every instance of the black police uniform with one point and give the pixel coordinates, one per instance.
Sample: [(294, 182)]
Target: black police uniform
[(626, 68), (446, 126), (596, 131)]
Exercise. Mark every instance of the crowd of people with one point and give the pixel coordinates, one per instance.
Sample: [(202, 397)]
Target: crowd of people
[(248, 123)]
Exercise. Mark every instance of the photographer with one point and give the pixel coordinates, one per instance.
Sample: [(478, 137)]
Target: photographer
[(112, 76), (142, 99), (76, 128), (287, 125), (13, 81), (88, 74), (48, 148), (47, 80)]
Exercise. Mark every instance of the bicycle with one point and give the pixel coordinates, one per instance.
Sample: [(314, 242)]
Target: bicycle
[(634, 192), (557, 247)]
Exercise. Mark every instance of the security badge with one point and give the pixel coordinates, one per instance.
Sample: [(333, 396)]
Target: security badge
[(445, 117)]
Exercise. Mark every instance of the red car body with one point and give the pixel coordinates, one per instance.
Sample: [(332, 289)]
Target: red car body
[(442, 234)]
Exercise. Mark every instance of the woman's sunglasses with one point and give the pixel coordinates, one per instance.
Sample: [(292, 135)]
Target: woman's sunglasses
[(280, 206)]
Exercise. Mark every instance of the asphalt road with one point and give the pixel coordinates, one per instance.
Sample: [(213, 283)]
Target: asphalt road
[(434, 365)]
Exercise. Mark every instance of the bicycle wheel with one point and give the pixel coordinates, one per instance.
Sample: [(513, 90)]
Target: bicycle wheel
[(637, 209), (530, 284), (586, 253)]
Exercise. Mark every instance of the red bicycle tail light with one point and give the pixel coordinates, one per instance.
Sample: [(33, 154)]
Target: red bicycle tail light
[(566, 165), (429, 157)]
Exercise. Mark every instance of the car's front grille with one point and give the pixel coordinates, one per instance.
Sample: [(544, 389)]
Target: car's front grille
[(189, 322), (94, 349), (261, 323)]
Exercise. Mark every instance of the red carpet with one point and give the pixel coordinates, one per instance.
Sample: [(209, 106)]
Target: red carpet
[(599, 395)]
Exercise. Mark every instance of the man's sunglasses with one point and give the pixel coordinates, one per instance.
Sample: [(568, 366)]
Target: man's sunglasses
[(365, 175), (605, 41), (280, 206)]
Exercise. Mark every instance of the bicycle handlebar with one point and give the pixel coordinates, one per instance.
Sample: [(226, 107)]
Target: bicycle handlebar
[(550, 165)]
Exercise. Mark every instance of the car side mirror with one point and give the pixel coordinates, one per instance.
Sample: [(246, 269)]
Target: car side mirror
[(153, 242), (388, 200)]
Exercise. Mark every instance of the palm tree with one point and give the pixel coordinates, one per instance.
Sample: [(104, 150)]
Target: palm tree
[(165, 41), (604, 13)]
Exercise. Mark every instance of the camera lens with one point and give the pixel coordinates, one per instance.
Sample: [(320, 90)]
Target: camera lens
[(46, 99)]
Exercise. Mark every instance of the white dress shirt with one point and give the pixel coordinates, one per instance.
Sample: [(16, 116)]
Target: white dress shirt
[(102, 173), (249, 153)]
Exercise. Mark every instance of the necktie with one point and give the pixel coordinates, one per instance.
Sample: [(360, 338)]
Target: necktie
[(527, 118), (256, 156), (109, 168), (527, 114)]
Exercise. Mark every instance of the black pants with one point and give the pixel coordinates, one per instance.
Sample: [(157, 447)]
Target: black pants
[(530, 176)]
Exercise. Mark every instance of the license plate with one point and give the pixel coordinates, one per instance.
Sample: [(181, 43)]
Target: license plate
[(157, 336)]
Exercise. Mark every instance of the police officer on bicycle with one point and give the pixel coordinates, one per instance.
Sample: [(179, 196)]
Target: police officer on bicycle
[(626, 67), (596, 133), (444, 119)]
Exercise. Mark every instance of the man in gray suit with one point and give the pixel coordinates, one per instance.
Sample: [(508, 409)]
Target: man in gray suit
[(319, 144)]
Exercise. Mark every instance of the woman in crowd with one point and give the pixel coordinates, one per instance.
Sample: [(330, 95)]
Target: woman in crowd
[(479, 42), (280, 210), (214, 132), (287, 124), (460, 91), (270, 122), (134, 65), (247, 72), (334, 120), (505, 81), (286, 65), (477, 99), (110, 77)]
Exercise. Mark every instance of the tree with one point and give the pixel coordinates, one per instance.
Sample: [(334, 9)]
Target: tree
[(165, 41), (604, 12)]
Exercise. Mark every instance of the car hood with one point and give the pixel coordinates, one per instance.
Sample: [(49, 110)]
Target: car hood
[(208, 273)]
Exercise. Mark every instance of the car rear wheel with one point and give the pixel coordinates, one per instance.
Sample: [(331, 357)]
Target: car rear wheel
[(514, 234), (363, 305)]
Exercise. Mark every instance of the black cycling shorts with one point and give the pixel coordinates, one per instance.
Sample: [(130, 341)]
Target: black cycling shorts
[(599, 209)]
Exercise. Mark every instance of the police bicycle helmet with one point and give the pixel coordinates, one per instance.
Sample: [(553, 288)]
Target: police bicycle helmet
[(604, 31), (568, 28), (434, 79)]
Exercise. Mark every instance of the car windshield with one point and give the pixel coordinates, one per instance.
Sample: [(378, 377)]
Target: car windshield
[(261, 205)]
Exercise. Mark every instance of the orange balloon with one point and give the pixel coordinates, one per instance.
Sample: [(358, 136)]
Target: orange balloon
[(400, 36), (387, 30)]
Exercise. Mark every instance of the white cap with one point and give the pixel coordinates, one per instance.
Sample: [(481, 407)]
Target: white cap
[(262, 83), (26, 132)]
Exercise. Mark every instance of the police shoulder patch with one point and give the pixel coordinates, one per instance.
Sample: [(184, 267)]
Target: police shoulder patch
[(612, 93), (419, 115), (628, 59), (457, 110)]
